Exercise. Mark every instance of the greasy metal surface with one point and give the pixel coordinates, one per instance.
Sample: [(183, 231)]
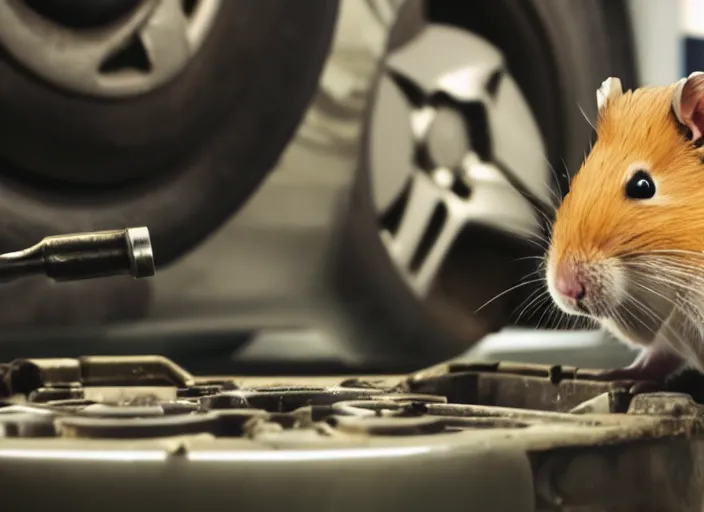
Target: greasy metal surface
[(457, 433), (83, 256)]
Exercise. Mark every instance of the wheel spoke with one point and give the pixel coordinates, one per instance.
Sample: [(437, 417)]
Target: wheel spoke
[(199, 25), (131, 55), (495, 202), (517, 142), (463, 72), (422, 200), (23, 31), (165, 37), (390, 128), (422, 279), (386, 10)]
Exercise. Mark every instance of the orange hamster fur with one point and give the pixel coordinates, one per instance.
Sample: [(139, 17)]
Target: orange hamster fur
[(627, 244)]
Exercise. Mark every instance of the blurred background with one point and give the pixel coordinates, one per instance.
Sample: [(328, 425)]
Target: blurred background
[(331, 186)]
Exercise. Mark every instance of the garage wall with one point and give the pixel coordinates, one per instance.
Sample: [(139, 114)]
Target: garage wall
[(659, 26)]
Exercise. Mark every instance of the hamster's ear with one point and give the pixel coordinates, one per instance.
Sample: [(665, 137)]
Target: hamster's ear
[(610, 88), (688, 103)]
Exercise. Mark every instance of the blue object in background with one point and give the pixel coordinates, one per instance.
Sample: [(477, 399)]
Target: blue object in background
[(692, 35), (693, 53)]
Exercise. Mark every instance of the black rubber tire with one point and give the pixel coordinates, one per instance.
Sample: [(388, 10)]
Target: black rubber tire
[(559, 52), (192, 151)]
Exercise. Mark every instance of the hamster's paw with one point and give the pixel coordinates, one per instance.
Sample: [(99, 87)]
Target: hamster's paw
[(653, 366), (689, 381)]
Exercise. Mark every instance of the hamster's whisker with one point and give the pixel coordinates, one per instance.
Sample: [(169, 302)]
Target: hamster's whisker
[(676, 306), (642, 307), (692, 273), (675, 259), (621, 318), (641, 321), (549, 221), (509, 290), (668, 269), (673, 274), (542, 238), (662, 278), (613, 313), (556, 197), (593, 322), (556, 317), (667, 263), (538, 297), (544, 304), (551, 309), (562, 318), (528, 233), (557, 182), (586, 118), (539, 258), (672, 270), (632, 299), (550, 320), (567, 175), (678, 277), (638, 282), (569, 321), (536, 240), (542, 290), (536, 271), (572, 321)]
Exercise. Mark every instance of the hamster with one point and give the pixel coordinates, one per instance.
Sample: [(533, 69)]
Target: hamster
[(627, 244)]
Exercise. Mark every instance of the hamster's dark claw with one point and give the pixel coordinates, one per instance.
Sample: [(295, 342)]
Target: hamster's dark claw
[(688, 381)]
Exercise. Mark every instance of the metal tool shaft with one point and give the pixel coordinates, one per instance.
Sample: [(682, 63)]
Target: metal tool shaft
[(83, 256)]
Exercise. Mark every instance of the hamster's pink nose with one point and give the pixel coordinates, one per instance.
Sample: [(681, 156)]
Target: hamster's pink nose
[(569, 283)]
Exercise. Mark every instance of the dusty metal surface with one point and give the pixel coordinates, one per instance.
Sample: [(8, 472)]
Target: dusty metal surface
[(498, 437)]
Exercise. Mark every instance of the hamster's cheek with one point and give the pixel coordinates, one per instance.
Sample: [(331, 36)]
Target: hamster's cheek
[(638, 319), (627, 334)]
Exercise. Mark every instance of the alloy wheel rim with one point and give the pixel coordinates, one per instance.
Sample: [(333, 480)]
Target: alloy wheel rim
[(451, 137), (134, 54)]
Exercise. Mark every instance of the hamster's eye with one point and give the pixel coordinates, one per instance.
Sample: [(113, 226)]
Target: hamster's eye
[(640, 186)]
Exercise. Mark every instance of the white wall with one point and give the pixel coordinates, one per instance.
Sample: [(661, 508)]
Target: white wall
[(659, 27)]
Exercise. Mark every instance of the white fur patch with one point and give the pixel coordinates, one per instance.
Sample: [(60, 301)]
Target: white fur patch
[(610, 88)]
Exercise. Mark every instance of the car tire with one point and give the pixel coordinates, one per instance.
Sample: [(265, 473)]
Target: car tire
[(558, 52), (179, 159)]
